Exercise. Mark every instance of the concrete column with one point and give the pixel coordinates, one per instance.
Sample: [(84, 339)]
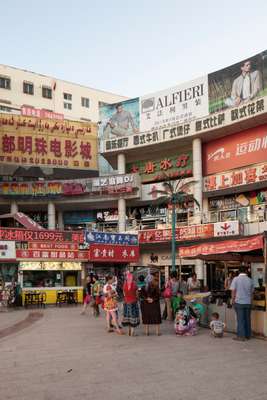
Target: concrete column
[(51, 211), (205, 210), (14, 207), (60, 220), (197, 174), (199, 269), (121, 164), (121, 167), (122, 214)]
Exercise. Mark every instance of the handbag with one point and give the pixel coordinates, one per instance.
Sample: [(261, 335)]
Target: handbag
[(167, 294)]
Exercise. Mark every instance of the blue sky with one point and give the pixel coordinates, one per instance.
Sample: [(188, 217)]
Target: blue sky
[(130, 47)]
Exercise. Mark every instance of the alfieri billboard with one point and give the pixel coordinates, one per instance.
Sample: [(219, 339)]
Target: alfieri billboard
[(230, 87)]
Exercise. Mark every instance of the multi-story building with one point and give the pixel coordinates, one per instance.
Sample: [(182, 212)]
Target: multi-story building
[(212, 134), (75, 102)]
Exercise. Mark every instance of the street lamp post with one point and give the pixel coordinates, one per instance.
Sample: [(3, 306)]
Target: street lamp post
[(173, 234)]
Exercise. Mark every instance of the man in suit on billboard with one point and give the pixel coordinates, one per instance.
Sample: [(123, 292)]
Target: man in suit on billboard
[(245, 87)]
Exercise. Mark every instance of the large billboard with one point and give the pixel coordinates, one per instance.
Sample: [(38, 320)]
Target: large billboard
[(227, 96), (178, 104), (119, 119), (239, 83), (32, 141), (235, 151)]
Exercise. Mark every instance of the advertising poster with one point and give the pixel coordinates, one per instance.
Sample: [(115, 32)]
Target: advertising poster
[(178, 104), (235, 151), (119, 119), (239, 83)]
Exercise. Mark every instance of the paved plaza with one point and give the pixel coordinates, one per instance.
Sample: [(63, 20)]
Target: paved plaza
[(63, 355)]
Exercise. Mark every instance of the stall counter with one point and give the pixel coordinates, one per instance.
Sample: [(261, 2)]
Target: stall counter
[(51, 292)]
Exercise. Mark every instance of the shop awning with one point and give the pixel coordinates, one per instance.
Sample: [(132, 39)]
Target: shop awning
[(24, 220), (224, 246)]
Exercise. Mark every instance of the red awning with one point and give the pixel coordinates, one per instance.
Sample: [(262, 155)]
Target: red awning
[(24, 220), (225, 246)]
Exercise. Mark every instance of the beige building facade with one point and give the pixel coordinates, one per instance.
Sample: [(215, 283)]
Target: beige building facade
[(20, 87)]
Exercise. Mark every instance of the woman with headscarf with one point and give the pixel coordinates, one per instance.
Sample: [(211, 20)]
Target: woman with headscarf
[(150, 306), (130, 306)]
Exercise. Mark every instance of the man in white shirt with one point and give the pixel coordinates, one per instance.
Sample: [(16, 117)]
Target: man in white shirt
[(245, 87), (242, 292)]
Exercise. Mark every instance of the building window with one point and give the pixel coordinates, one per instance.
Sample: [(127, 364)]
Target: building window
[(6, 109), (85, 102), (28, 88), (67, 106), (5, 83), (67, 96), (47, 92)]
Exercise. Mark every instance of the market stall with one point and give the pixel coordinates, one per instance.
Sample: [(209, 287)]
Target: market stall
[(50, 278), (223, 259)]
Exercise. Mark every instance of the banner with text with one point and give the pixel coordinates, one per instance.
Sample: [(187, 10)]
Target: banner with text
[(238, 177), (175, 105), (50, 143), (124, 239), (178, 166), (235, 151), (112, 253), (209, 123)]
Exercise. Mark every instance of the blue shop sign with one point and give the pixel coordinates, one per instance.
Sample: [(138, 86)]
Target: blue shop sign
[(124, 239)]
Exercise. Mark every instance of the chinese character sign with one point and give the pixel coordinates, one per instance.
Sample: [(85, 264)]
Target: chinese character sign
[(178, 104), (71, 255), (113, 253), (178, 166), (25, 235), (235, 151), (111, 238), (56, 144), (237, 177)]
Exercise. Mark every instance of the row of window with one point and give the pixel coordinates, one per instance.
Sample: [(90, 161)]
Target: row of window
[(28, 88)]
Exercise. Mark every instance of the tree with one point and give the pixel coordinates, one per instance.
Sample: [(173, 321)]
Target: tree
[(176, 194)]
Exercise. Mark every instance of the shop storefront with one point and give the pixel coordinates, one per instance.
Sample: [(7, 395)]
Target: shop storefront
[(50, 277), (246, 207), (223, 259), (161, 259), (235, 181)]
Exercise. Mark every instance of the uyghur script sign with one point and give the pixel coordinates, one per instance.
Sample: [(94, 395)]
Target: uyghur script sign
[(58, 144)]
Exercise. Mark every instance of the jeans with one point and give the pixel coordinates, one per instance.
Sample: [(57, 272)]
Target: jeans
[(243, 312)]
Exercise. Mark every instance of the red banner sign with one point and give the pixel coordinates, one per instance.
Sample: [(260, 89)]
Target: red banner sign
[(40, 113), (25, 235), (52, 246), (53, 254), (240, 245), (113, 253), (182, 233), (235, 151), (238, 177)]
